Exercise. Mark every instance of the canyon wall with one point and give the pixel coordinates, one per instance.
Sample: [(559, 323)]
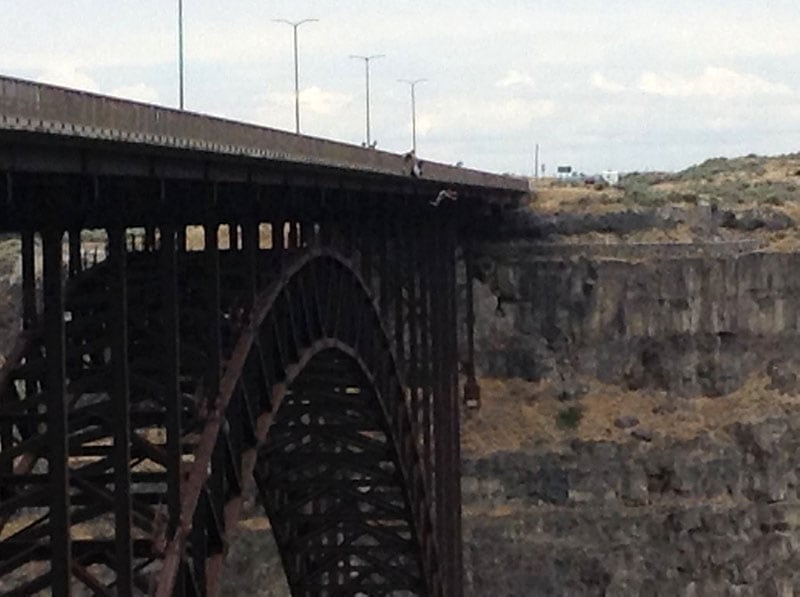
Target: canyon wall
[(689, 319), (706, 516), (667, 510)]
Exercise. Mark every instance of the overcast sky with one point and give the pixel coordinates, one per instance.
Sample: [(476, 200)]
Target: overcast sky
[(620, 84)]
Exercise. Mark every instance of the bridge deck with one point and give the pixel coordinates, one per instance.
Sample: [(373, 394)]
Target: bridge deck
[(61, 116)]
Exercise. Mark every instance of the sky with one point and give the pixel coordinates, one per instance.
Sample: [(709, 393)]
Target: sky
[(599, 84)]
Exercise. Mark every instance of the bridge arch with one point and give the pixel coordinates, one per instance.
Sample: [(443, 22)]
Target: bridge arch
[(330, 480), (118, 402), (313, 386)]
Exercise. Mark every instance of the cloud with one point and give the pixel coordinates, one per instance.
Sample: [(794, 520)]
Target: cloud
[(67, 75), (490, 115), (589, 87), (603, 84), (425, 122), (313, 99), (138, 92), (514, 78), (323, 113), (319, 101), (713, 82)]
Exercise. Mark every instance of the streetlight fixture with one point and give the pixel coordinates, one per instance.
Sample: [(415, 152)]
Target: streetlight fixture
[(413, 85), (295, 25), (366, 60), (180, 54)]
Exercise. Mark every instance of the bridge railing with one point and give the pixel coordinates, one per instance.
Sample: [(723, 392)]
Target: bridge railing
[(33, 107)]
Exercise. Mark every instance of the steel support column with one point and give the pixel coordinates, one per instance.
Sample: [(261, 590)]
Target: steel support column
[(57, 423), (366, 246), (171, 361), (30, 309), (453, 416), (398, 278), (439, 433), (383, 261), (426, 334), (472, 391), (413, 375), (171, 372), (250, 246), (120, 401), (216, 481)]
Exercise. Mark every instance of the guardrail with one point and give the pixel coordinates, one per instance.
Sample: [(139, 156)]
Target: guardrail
[(38, 108)]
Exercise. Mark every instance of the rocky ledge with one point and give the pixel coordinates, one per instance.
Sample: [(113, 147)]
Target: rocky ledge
[(714, 515)]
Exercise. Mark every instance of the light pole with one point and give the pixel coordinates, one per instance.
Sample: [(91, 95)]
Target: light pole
[(366, 60), (180, 54), (295, 25), (413, 85)]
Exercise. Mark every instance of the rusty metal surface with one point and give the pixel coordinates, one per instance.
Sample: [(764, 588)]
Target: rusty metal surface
[(41, 109), (222, 353), (156, 384)]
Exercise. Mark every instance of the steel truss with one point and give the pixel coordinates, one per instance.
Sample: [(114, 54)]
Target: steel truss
[(307, 343)]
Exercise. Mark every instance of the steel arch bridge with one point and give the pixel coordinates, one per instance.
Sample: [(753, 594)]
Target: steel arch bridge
[(211, 308)]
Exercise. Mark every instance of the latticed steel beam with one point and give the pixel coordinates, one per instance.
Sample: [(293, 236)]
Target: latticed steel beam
[(184, 369)]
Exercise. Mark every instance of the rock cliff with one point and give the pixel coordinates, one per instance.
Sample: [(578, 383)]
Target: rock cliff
[(689, 319), (678, 473), (714, 515)]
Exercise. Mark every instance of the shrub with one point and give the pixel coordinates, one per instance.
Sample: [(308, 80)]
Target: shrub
[(569, 418)]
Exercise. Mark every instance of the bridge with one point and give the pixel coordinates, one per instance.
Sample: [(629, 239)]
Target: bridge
[(269, 314)]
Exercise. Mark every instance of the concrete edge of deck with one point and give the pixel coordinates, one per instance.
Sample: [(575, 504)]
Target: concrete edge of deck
[(37, 108)]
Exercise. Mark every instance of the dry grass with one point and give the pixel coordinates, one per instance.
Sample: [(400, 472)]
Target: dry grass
[(738, 184), (554, 197), (681, 233), (515, 413), (256, 523), (785, 241), (741, 183)]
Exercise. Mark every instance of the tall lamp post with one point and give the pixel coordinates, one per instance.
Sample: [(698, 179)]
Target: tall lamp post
[(180, 54), (366, 60), (295, 25), (413, 85)]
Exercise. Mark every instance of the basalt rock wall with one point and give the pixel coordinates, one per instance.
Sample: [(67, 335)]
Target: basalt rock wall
[(706, 516), (688, 319)]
